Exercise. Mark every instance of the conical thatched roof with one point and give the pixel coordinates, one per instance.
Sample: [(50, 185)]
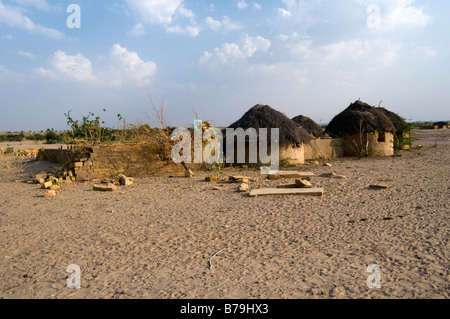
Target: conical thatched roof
[(263, 116), (396, 119), (360, 117), (309, 125)]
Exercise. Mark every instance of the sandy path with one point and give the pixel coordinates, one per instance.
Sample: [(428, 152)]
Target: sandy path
[(155, 239)]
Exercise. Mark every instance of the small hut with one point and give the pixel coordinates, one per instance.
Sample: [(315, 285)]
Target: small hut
[(314, 129), (366, 130), (402, 129), (291, 137), (441, 125)]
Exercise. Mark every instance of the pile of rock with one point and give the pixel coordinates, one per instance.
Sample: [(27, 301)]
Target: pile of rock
[(110, 185)]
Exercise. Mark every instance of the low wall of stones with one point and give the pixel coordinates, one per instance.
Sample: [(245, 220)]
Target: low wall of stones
[(108, 161)]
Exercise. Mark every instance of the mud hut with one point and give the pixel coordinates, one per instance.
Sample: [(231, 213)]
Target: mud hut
[(402, 138), (292, 137), (366, 131), (314, 129)]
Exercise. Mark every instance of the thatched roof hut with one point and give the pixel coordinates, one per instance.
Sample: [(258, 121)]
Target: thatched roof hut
[(291, 136), (365, 129), (360, 117), (309, 125), (263, 116)]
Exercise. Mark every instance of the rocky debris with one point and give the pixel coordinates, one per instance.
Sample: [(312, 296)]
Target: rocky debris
[(379, 186), (238, 179), (299, 183), (303, 183), (107, 187), (59, 177), (212, 179), (46, 185), (333, 175), (327, 165), (125, 181), (50, 193), (243, 188), (284, 174)]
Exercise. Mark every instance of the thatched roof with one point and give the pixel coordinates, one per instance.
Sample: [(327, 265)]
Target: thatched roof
[(360, 117), (309, 125), (263, 116), (394, 117)]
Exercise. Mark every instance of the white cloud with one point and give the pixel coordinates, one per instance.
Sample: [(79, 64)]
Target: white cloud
[(156, 11), (133, 66), (242, 4), (226, 24), (246, 48), (42, 5), (25, 54), (13, 17), (284, 13), (363, 55), (213, 24), (165, 12), (76, 66), (397, 14), (257, 6), (71, 67), (137, 31), (191, 31)]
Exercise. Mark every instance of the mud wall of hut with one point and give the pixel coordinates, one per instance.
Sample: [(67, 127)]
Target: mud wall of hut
[(107, 161), (324, 149)]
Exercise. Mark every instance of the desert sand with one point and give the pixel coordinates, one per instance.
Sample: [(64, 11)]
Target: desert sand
[(186, 238)]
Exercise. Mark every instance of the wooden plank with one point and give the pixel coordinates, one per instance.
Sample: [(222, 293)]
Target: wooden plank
[(286, 174), (294, 191)]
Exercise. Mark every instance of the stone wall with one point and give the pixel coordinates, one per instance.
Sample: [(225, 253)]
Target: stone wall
[(107, 161)]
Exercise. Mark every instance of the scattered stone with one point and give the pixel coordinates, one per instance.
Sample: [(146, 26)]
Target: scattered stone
[(302, 183), (55, 187), (125, 181), (78, 165), (46, 185), (380, 186), (105, 187), (243, 188), (299, 183), (188, 173), (212, 179), (50, 193), (329, 175), (327, 165), (238, 179), (316, 163), (283, 174)]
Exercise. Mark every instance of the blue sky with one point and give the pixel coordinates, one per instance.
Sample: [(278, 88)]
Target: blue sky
[(217, 59)]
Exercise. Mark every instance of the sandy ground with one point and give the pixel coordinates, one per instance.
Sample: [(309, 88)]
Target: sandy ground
[(178, 238)]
